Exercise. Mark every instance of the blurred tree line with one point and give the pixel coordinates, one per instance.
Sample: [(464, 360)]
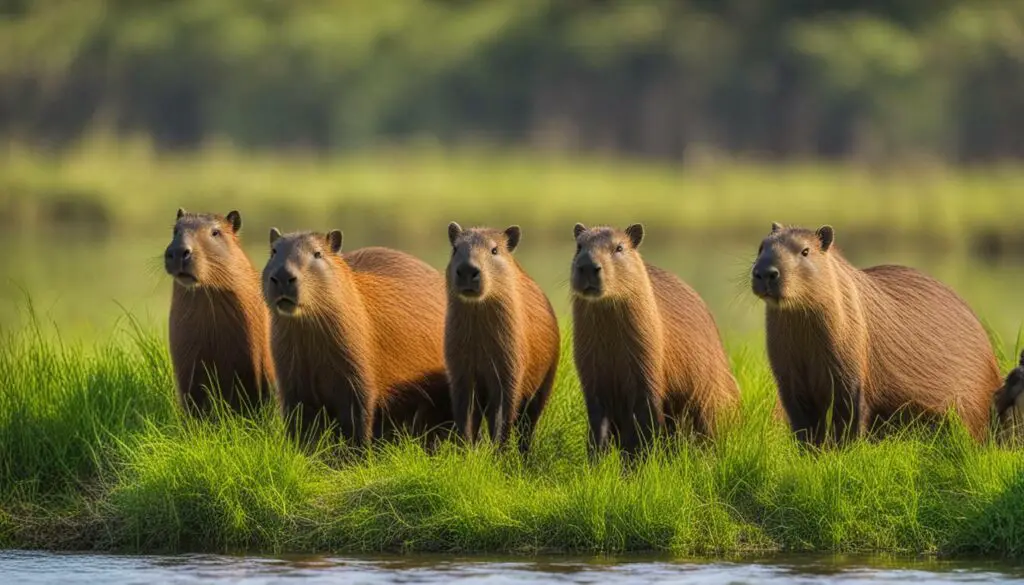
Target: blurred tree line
[(671, 79)]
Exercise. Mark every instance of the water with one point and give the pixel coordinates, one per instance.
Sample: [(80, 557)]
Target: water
[(40, 567)]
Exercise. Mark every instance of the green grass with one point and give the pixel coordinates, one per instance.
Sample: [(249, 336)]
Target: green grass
[(406, 194), (93, 454)]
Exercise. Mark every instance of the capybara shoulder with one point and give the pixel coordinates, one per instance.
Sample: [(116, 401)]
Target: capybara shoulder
[(879, 346), (647, 349), (218, 323), (501, 336)]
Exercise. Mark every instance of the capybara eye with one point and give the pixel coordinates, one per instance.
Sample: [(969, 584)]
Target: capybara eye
[(805, 251), (215, 233), (494, 250), (273, 252), (175, 230), (318, 254), (760, 248), (618, 248), (578, 248)]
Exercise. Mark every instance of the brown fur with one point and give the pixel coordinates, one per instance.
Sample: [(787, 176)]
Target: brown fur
[(1009, 405), (647, 349), (880, 346), (218, 322), (501, 337), (364, 341)]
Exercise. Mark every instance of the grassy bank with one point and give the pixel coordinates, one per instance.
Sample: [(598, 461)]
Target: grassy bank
[(94, 455), (402, 196)]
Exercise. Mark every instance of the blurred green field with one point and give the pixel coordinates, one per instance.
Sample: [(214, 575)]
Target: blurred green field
[(404, 195), (94, 454)]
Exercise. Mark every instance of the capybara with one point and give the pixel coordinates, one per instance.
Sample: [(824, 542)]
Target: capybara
[(219, 325), (647, 349), (879, 347), (501, 336), (358, 337), (1009, 403)]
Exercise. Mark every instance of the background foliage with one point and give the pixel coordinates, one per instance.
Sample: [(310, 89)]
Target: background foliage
[(675, 79)]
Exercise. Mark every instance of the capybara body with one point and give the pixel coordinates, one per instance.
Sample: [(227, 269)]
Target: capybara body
[(1009, 404), (501, 337), (357, 337), (879, 347), (219, 325), (647, 350)]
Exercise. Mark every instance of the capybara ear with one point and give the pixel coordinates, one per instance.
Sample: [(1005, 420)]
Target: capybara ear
[(578, 229), (636, 234), (235, 219), (334, 239), (274, 235), (181, 213), (454, 230), (777, 227), (825, 235), (512, 235)]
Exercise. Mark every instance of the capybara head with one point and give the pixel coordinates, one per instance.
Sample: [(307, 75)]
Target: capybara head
[(202, 249), (607, 263), (481, 260), (792, 264), (302, 270)]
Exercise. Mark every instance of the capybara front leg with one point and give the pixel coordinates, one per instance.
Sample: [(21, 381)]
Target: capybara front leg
[(500, 409), (847, 414), (531, 411), (598, 422), (647, 421), (463, 404)]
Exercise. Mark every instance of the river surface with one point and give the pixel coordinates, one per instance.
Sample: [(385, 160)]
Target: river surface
[(23, 567)]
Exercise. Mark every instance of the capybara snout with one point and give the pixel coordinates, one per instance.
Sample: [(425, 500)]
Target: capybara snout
[(178, 260), (765, 276), (586, 275), (466, 276), (282, 290)]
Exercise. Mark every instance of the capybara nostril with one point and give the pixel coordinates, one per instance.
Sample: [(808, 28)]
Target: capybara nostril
[(273, 280), (765, 273), (588, 268), (292, 279), (186, 253), (467, 272)]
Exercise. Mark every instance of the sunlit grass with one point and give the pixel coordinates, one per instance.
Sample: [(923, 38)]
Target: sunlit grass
[(94, 454)]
